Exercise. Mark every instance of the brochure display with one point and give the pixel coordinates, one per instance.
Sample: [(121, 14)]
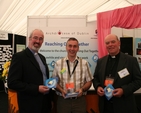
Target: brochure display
[(69, 95)]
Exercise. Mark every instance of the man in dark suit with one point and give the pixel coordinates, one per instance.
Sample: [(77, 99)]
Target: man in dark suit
[(123, 73), (27, 75)]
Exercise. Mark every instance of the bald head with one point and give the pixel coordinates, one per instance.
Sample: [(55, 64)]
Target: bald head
[(112, 44), (35, 31), (111, 36)]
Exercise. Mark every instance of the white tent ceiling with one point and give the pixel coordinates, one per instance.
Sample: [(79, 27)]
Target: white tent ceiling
[(13, 13)]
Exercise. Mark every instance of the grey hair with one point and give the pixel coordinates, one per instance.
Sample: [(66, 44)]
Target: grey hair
[(31, 33)]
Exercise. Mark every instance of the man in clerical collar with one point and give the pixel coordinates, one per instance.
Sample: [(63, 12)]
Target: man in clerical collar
[(122, 73)]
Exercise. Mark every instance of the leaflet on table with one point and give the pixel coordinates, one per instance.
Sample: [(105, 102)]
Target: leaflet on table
[(51, 82), (108, 91), (74, 94)]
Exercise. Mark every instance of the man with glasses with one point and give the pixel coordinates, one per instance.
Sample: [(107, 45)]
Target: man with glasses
[(27, 74)]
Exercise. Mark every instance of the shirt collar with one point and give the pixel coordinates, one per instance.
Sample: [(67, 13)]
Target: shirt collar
[(116, 56), (76, 58), (34, 53)]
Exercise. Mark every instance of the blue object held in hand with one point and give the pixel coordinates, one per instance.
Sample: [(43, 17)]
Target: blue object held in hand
[(51, 82), (109, 91)]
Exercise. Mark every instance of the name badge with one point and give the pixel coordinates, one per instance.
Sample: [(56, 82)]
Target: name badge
[(69, 85), (123, 73), (108, 81)]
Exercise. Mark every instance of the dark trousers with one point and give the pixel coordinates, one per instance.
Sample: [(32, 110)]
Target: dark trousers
[(46, 105), (71, 105), (108, 106)]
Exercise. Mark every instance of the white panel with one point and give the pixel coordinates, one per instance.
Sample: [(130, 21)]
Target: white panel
[(117, 31), (42, 22), (33, 22), (128, 32), (37, 21), (137, 33), (67, 21)]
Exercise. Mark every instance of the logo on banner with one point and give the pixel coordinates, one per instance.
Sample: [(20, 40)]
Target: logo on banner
[(52, 64), (96, 32), (95, 58), (67, 33), (59, 33)]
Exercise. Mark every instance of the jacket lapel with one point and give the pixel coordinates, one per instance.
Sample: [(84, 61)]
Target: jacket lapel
[(32, 58), (121, 63), (104, 63)]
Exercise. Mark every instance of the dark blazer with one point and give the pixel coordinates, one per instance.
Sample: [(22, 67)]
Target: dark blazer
[(129, 84), (25, 77)]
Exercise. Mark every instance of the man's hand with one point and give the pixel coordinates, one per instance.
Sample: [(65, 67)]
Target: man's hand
[(43, 89), (100, 91), (63, 92), (80, 92), (118, 92)]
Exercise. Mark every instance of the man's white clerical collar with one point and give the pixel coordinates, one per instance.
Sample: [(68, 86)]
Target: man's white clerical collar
[(113, 56)]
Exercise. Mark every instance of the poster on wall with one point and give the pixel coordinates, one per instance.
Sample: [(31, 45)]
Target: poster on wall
[(56, 36), (6, 51), (20, 47), (5, 54), (138, 50), (5, 48)]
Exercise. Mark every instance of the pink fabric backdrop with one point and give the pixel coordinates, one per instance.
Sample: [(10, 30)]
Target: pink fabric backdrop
[(128, 17)]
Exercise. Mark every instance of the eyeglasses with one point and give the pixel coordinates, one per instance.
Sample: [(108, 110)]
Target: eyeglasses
[(36, 38)]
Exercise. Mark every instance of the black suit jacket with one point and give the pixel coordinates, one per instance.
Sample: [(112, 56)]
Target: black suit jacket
[(25, 77), (129, 84)]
